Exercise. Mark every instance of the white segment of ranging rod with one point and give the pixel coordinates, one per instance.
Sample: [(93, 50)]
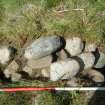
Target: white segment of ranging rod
[(81, 89)]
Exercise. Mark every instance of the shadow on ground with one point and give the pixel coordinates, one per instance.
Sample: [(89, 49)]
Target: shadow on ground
[(98, 98)]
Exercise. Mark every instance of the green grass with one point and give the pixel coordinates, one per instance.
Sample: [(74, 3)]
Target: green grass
[(78, 22), (39, 18), (52, 98), (46, 98), (19, 98)]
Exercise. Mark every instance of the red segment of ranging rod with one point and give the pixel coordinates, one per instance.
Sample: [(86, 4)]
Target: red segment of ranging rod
[(24, 89)]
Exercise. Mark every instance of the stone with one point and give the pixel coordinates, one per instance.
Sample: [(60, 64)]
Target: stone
[(6, 53), (43, 46), (11, 68), (45, 72), (28, 70), (100, 60), (61, 68), (90, 47), (88, 59), (7, 73), (15, 77), (74, 46), (62, 55), (94, 75), (72, 83), (40, 63), (34, 73)]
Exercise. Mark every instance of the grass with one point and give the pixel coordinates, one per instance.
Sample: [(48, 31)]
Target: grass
[(52, 98), (15, 99), (46, 98), (28, 18)]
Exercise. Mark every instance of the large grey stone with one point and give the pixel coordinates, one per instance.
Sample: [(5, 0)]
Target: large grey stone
[(100, 60), (43, 47), (88, 59), (61, 68), (74, 46)]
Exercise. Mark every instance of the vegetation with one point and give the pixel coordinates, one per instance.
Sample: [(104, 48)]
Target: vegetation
[(33, 18), (53, 98), (47, 98)]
